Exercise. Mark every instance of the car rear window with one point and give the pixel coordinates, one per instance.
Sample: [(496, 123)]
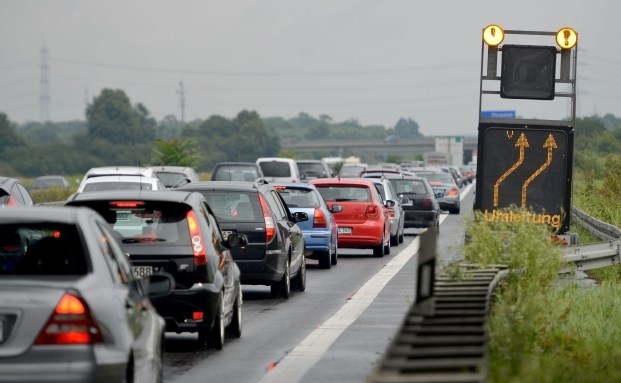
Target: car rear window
[(275, 169), (405, 186), (235, 173), (351, 171), (102, 186), (170, 179), (439, 178), (41, 249), (299, 197), (234, 206), (345, 193), (312, 169)]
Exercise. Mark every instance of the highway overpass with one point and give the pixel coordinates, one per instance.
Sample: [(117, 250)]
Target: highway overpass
[(369, 150)]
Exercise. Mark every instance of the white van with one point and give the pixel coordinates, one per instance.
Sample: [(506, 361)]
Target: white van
[(279, 169)]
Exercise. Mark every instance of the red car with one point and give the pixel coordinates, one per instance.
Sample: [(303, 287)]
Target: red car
[(363, 222)]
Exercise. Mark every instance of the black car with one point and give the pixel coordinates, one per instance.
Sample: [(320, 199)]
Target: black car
[(236, 171), (420, 206), (177, 233), (275, 251), (13, 193)]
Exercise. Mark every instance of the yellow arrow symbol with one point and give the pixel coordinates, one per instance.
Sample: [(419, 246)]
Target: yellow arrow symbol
[(521, 143), (550, 144)]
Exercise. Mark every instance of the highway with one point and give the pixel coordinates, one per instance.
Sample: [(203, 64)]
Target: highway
[(335, 331)]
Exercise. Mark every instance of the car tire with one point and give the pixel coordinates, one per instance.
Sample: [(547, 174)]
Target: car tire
[(235, 328), (394, 241), (325, 259), (216, 335), (378, 251), (402, 235), (387, 247), (282, 289), (335, 255), (300, 279)]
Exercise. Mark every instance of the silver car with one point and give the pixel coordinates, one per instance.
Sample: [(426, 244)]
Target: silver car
[(70, 309)]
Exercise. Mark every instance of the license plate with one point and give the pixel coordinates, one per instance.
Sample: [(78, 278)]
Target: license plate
[(344, 230), (142, 271), (225, 234)]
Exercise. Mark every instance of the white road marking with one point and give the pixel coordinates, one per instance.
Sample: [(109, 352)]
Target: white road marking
[(309, 351)]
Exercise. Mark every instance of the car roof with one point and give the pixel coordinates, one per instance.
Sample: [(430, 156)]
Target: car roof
[(117, 170), (64, 214), (294, 185), (124, 178), (173, 169), (146, 195), (222, 185), (342, 181)]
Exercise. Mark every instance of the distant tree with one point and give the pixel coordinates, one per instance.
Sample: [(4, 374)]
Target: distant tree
[(407, 128), (111, 117), (175, 151), (169, 127), (8, 134)]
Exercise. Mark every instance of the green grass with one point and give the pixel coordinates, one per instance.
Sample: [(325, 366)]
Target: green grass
[(542, 328)]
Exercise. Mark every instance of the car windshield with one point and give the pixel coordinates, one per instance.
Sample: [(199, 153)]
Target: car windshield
[(444, 178), (41, 249), (299, 197), (344, 193), (351, 171)]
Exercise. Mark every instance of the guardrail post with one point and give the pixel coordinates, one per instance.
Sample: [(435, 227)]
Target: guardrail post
[(426, 274)]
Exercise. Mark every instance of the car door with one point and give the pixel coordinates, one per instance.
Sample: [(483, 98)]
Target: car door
[(289, 230), (226, 263), (130, 295)]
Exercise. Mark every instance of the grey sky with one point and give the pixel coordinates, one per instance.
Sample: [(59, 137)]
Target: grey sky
[(374, 61)]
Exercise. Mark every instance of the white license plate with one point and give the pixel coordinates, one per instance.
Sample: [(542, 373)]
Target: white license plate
[(225, 234), (344, 230), (142, 271)]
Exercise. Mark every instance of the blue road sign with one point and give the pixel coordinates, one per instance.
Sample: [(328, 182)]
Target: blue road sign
[(498, 114)]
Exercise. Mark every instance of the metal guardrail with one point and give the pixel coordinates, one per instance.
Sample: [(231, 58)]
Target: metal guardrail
[(595, 255)]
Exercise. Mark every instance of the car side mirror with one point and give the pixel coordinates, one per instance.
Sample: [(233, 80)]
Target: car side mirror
[(234, 240), (336, 208), (160, 284), (300, 216), (405, 200), (390, 203)]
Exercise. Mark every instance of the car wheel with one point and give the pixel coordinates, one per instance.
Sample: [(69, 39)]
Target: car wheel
[(378, 251), (325, 259), (129, 372), (394, 241), (216, 335), (282, 289), (387, 247), (235, 328), (335, 255), (300, 280)]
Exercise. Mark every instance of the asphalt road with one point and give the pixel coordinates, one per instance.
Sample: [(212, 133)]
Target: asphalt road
[(335, 331)]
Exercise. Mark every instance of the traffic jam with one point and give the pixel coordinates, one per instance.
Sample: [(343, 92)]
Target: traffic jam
[(139, 254)]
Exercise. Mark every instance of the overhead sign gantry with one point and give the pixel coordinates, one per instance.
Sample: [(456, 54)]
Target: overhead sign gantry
[(527, 163)]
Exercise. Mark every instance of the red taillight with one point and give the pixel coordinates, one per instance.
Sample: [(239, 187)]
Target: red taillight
[(70, 323), (320, 220), (453, 192), (126, 204), (270, 228), (372, 212), (426, 203), (198, 315), (198, 246), (391, 212)]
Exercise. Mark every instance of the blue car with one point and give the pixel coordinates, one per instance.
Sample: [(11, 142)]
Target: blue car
[(320, 231)]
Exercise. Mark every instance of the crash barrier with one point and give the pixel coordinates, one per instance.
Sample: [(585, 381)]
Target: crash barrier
[(443, 337)]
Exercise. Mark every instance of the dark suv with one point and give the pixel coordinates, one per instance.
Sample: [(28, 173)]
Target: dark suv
[(275, 251), (177, 233)]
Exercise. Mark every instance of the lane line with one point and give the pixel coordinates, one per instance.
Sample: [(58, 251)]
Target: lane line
[(309, 351)]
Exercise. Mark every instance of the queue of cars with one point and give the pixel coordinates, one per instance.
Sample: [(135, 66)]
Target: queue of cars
[(173, 257)]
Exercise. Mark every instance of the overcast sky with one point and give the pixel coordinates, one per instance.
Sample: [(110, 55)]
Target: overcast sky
[(369, 60)]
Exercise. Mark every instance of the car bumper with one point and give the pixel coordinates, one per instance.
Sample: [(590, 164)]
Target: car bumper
[(448, 203), (420, 218), (264, 271), (316, 241), (177, 307)]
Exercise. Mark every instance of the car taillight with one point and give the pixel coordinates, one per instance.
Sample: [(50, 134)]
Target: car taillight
[(270, 228), (8, 200), (391, 212), (426, 203), (320, 220), (372, 212), (198, 246), (70, 323), (453, 192)]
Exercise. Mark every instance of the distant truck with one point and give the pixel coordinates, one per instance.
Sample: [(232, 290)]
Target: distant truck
[(436, 159), (454, 145)]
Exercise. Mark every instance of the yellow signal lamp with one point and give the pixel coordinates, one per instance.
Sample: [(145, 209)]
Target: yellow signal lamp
[(566, 38), (493, 35)]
